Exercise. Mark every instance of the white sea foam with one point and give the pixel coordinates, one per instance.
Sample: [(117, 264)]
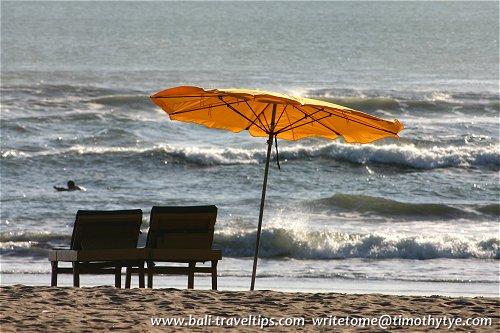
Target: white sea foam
[(401, 155), (12, 153), (419, 157), (405, 155), (303, 244)]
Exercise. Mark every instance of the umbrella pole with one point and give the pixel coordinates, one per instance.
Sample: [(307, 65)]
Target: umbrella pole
[(263, 198)]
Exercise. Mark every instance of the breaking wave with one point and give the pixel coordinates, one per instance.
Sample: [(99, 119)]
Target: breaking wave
[(33, 244), (193, 155), (403, 156), (300, 244)]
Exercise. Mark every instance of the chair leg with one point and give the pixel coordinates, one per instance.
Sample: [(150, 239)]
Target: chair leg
[(53, 278), (150, 274), (214, 274), (128, 276), (192, 265), (118, 277), (141, 275), (76, 275)]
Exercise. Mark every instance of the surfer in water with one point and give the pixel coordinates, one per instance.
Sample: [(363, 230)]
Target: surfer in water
[(71, 187)]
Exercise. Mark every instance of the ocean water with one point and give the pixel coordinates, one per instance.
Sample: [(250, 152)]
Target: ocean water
[(419, 214)]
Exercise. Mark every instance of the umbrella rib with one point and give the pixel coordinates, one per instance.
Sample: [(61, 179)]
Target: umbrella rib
[(289, 124), (328, 127), (257, 117), (292, 125), (203, 108), (310, 122), (264, 115), (356, 121), (329, 114), (239, 113), (282, 112), (336, 115)]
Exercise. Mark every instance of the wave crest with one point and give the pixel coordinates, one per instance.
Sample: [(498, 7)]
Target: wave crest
[(417, 157), (300, 244), (398, 155)]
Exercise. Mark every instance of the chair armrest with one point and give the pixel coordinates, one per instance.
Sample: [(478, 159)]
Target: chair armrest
[(99, 255)]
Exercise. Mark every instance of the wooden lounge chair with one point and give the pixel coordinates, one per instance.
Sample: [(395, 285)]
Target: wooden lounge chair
[(182, 235), (102, 243)]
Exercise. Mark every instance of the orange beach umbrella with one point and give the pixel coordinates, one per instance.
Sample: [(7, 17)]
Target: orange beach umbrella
[(272, 115)]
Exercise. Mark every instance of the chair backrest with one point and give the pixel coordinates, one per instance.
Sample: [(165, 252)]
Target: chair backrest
[(106, 229), (184, 227)]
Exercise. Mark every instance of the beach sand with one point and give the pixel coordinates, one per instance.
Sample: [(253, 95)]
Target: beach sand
[(91, 309)]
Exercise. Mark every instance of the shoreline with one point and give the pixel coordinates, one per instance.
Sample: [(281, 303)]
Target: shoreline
[(282, 284), (60, 309)]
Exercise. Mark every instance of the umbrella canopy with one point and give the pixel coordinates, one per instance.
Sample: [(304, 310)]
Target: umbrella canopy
[(296, 118), (271, 115)]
